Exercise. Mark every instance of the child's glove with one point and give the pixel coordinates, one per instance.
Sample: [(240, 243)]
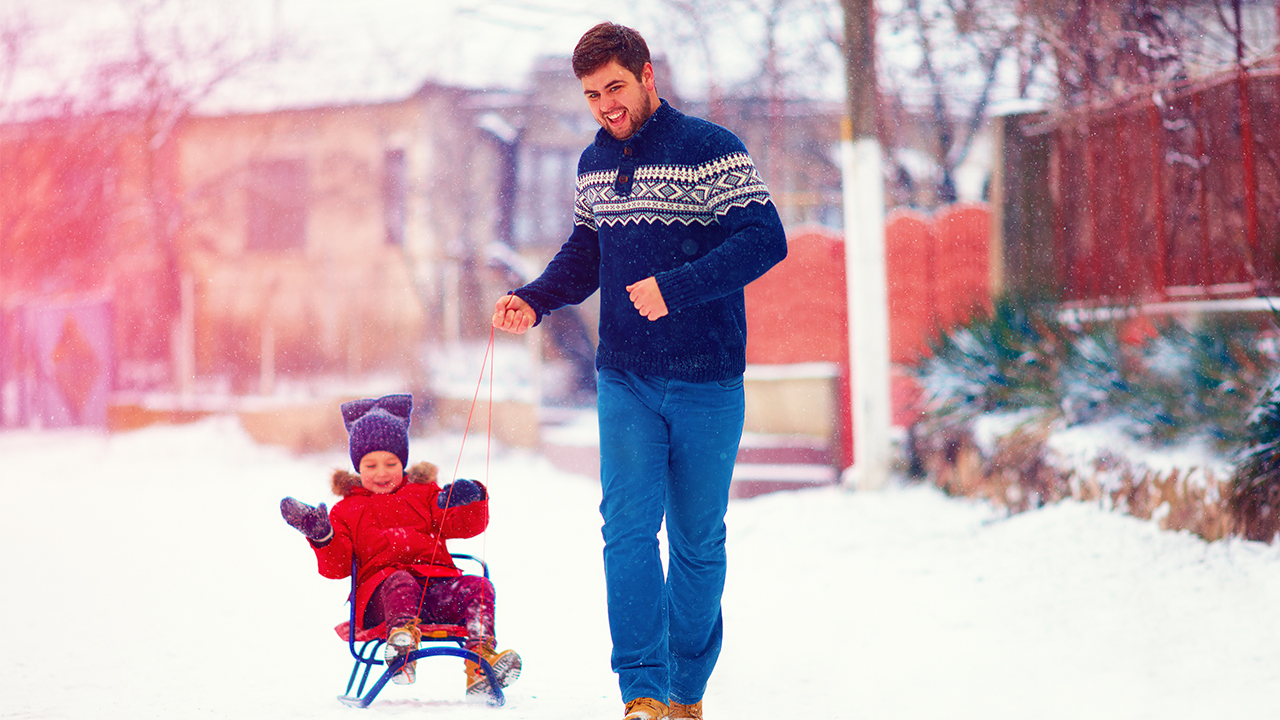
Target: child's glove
[(310, 521), (461, 492)]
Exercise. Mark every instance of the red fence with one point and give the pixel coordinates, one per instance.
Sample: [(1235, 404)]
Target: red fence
[(1173, 195), (938, 274)]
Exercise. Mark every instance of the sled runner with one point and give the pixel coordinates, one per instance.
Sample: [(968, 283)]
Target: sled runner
[(437, 640)]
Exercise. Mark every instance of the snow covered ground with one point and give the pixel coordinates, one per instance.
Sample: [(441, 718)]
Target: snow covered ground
[(149, 575)]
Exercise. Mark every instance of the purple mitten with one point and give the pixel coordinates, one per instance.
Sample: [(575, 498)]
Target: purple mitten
[(460, 492), (310, 521)]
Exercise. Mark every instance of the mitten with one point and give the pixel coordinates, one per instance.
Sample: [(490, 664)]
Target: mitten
[(310, 521), (461, 492)]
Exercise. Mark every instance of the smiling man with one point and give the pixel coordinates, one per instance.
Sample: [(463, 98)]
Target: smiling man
[(671, 221), (621, 100)]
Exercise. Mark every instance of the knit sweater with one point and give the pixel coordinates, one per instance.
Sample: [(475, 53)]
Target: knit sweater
[(679, 201)]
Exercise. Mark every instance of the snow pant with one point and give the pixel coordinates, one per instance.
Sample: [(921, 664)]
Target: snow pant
[(465, 600), (667, 448)]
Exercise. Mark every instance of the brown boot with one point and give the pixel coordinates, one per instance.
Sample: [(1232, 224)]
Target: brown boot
[(680, 710), (402, 640), (646, 709), (506, 670)]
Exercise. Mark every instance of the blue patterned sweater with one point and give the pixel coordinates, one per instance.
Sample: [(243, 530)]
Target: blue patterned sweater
[(680, 201)]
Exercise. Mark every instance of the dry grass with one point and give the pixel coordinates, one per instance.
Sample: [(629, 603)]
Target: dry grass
[(1018, 477)]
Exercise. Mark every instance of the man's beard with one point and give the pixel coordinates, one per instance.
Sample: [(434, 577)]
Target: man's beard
[(634, 120)]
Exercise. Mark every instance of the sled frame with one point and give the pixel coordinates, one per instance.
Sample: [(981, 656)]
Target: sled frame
[(444, 641)]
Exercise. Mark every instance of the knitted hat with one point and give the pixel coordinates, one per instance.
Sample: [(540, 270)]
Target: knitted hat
[(381, 424)]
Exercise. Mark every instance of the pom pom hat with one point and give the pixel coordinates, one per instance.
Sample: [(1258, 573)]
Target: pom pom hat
[(381, 424)]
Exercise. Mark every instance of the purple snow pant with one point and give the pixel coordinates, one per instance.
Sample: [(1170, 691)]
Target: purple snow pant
[(465, 600)]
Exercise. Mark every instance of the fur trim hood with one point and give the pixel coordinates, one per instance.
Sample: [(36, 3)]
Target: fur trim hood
[(345, 481)]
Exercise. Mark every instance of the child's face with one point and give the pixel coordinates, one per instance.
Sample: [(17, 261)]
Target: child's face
[(381, 472)]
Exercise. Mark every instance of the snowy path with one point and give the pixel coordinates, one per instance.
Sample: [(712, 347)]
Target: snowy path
[(148, 575)]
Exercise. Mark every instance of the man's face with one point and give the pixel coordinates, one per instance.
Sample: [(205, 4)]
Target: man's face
[(620, 101)]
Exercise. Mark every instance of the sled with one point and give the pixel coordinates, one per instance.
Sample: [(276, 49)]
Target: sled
[(437, 641)]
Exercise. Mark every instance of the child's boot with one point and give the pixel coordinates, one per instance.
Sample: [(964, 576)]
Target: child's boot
[(402, 640), (506, 670), (680, 710), (646, 709)]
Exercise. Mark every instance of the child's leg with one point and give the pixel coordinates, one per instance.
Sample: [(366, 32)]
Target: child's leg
[(466, 600), (395, 600)]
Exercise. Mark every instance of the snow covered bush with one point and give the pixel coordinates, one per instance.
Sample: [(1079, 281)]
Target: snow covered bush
[(1172, 384), (1255, 494), (1151, 391), (1004, 362), (1201, 382)]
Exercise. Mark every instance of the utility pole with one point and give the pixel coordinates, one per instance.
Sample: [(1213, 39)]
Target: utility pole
[(865, 280)]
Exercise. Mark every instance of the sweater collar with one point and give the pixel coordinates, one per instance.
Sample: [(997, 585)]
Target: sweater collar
[(663, 116)]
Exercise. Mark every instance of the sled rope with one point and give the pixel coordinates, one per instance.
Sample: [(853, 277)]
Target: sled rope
[(486, 362)]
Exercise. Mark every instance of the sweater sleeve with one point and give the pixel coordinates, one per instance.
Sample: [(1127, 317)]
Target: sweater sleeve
[(571, 276), (755, 239)]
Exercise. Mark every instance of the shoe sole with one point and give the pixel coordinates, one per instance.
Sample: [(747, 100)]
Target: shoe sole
[(506, 670), (391, 652)]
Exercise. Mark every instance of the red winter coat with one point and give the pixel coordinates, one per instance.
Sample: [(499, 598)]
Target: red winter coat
[(399, 530)]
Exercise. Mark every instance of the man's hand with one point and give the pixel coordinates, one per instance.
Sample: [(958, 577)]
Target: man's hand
[(647, 298), (513, 315)]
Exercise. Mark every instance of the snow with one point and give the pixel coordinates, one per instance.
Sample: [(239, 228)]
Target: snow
[(149, 575)]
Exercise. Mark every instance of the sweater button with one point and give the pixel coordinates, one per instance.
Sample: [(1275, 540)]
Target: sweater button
[(624, 178), (628, 151)]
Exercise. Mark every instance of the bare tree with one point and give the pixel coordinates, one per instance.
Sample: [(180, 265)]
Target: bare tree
[(773, 75), (1107, 51), (941, 65), (948, 61)]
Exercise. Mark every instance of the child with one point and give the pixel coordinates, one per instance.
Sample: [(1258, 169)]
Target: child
[(396, 525)]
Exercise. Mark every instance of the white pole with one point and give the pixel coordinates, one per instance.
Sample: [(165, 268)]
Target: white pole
[(867, 291)]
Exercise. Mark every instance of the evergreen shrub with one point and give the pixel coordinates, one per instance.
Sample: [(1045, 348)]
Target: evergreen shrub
[(1165, 385)]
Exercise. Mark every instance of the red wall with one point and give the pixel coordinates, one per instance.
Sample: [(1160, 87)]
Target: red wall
[(797, 311), (938, 275)]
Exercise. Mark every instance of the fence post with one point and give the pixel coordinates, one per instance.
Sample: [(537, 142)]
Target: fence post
[(1205, 274), (1093, 289), (1160, 280), (1256, 258)]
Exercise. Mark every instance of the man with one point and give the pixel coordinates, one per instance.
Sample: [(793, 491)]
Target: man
[(671, 221)]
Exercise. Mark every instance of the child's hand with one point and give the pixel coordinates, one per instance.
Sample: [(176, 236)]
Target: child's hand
[(460, 492), (310, 521)]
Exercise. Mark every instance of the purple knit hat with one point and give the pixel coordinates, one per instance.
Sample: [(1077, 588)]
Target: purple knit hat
[(381, 424)]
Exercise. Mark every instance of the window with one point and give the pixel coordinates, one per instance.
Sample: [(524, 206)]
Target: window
[(277, 205), (394, 195)]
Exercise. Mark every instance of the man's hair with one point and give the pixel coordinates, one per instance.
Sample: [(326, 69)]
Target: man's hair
[(609, 41)]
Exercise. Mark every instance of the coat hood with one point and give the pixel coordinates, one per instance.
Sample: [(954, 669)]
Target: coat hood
[(344, 482)]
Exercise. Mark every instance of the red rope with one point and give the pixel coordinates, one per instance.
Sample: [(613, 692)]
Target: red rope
[(471, 413), (484, 536)]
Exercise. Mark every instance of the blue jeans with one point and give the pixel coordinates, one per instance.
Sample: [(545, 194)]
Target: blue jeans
[(667, 447)]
